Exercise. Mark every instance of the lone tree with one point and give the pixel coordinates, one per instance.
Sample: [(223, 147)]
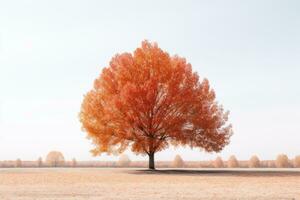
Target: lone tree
[(149, 100), (55, 159)]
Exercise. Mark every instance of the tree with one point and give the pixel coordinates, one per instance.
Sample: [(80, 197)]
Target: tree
[(178, 162), (270, 164), (124, 161), (297, 161), (282, 161), (74, 162), (150, 100), (40, 162), (18, 163), (218, 163), (233, 162), (55, 159), (254, 162)]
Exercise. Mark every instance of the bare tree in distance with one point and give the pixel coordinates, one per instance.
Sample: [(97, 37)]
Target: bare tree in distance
[(254, 162), (55, 159), (40, 162), (218, 162), (124, 161), (282, 161), (297, 161), (74, 162), (18, 163), (178, 162), (232, 162)]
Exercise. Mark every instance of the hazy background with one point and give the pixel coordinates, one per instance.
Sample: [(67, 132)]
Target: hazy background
[(51, 52)]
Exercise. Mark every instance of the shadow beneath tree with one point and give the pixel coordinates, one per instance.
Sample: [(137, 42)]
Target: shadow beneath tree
[(219, 172)]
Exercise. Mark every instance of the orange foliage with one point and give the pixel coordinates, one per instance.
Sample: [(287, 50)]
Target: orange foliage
[(149, 100)]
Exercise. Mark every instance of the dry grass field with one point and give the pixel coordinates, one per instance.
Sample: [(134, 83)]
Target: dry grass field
[(137, 184)]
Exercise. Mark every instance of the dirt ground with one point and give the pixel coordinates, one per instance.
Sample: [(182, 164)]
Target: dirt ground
[(137, 184)]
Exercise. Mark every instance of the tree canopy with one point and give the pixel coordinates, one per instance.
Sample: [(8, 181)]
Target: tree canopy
[(149, 100)]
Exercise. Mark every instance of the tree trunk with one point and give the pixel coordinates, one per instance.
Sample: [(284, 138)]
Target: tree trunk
[(151, 161)]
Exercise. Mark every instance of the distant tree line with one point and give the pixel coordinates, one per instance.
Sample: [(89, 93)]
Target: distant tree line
[(56, 159), (282, 161)]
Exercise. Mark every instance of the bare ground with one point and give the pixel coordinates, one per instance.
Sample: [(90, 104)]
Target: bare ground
[(137, 184)]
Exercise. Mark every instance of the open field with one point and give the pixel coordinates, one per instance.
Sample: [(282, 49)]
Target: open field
[(136, 184)]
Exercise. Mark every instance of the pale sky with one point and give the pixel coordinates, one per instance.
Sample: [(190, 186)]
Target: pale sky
[(51, 52)]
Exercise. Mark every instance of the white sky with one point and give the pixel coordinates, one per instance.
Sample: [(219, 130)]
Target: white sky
[(51, 52)]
